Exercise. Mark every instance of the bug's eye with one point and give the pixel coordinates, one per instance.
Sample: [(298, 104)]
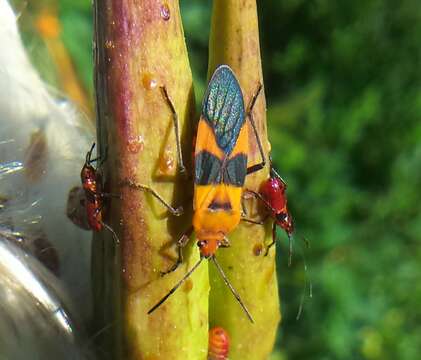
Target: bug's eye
[(282, 216), (202, 243)]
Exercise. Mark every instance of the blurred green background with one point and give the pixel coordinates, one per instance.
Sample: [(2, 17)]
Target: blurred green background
[(342, 81)]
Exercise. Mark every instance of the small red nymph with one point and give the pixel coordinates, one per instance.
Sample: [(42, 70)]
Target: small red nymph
[(273, 195), (273, 190), (219, 344), (92, 184)]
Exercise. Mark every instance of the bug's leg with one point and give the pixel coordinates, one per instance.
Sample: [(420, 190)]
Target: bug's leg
[(225, 243), (175, 211), (98, 210), (181, 243), (243, 208), (290, 241), (252, 169), (176, 128), (261, 198), (105, 225), (110, 195), (257, 222), (111, 230), (273, 239), (275, 174)]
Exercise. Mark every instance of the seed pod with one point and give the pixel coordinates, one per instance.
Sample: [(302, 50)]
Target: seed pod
[(140, 49), (234, 41)]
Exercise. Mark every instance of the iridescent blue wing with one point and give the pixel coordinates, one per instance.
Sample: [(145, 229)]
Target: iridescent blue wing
[(223, 107)]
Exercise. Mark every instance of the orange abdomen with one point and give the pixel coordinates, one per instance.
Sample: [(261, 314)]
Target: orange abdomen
[(94, 216)]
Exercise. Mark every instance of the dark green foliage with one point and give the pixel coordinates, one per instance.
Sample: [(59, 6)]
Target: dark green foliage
[(343, 87), (342, 81)]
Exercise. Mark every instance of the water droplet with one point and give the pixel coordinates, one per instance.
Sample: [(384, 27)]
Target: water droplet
[(166, 163), (165, 12), (257, 249), (135, 144), (149, 82)]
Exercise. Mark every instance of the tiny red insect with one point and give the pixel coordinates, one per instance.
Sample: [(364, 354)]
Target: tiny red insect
[(219, 344), (273, 195), (92, 184)]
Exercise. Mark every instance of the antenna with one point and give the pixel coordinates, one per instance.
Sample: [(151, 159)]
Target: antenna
[(160, 302), (290, 242), (88, 155), (231, 288), (307, 281)]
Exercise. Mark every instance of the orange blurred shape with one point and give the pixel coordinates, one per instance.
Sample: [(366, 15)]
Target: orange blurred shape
[(219, 344), (48, 25)]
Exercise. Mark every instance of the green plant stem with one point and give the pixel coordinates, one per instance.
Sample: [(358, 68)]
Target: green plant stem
[(139, 48), (235, 41)]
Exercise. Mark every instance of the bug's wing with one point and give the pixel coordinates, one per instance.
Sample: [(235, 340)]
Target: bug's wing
[(207, 169), (223, 107), (235, 170)]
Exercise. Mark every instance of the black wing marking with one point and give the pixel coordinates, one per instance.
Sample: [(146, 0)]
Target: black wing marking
[(223, 107), (235, 170), (207, 169), (210, 170)]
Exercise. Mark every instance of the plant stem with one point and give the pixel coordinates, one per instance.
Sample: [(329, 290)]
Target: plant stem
[(140, 48), (235, 41)]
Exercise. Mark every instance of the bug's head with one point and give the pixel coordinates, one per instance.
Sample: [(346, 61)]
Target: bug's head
[(284, 220), (208, 247)]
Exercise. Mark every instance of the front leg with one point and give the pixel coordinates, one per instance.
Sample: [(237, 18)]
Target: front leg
[(181, 243), (257, 195), (273, 239), (225, 243)]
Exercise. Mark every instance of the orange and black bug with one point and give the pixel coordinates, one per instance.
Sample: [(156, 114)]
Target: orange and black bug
[(220, 170), (273, 195), (92, 184), (219, 344)]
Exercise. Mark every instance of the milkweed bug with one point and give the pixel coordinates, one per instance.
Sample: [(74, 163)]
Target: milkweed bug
[(273, 195), (220, 160), (219, 344), (91, 183)]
